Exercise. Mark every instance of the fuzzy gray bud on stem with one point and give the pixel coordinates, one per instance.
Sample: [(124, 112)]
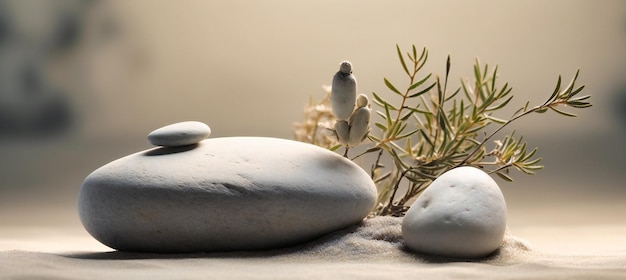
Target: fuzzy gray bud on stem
[(343, 92), (360, 122)]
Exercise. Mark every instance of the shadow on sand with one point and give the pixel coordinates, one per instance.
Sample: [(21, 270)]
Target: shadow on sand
[(350, 244)]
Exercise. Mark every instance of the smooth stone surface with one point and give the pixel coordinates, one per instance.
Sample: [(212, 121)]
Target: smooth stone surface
[(238, 193), (461, 214), (179, 134)]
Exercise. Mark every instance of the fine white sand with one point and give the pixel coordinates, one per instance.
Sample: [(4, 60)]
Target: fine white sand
[(371, 250)]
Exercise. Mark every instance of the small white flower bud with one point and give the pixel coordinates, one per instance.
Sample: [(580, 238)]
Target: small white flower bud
[(343, 92), (342, 128), (345, 67), (359, 126), (362, 101)]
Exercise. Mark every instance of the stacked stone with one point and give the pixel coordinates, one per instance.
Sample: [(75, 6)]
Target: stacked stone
[(193, 194)]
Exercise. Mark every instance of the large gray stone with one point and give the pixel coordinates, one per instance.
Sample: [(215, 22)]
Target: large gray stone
[(461, 214), (239, 193)]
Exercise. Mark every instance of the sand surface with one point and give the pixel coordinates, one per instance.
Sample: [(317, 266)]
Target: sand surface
[(371, 250), (567, 222)]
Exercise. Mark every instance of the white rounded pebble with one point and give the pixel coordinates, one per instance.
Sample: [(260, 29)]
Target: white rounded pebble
[(461, 214), (179, 134), (236, 193), (343, 92)]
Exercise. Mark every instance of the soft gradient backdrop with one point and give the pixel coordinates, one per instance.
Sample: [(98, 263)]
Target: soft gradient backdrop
[(112, 71)]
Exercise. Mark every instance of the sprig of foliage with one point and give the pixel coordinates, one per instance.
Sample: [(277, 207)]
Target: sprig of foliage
[(430, 131)]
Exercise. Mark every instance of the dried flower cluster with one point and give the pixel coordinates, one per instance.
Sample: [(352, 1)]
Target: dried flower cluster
[(318, 116)]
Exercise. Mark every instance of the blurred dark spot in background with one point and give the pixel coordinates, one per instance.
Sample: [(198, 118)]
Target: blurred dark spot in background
[(30, 104)]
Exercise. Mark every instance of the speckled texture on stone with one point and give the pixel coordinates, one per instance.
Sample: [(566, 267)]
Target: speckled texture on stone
[(461, 214), (238, 193)]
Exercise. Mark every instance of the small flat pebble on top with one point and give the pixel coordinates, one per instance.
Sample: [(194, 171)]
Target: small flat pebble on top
[(179, 134)]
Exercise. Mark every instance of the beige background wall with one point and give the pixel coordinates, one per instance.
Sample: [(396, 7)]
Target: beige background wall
[(248, 68)]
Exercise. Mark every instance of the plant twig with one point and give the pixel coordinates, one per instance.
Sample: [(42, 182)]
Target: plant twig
[(430, 131)]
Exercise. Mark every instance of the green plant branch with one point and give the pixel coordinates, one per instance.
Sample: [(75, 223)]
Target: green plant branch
[(443, 131), (565, 98)]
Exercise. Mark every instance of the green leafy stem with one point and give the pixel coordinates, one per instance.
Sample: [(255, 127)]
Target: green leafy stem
[(431, 131)]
